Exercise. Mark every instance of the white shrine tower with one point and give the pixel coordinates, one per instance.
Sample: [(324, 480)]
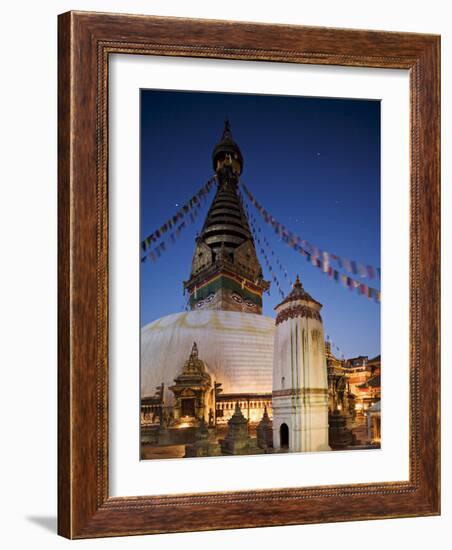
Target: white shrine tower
[(300, 382)]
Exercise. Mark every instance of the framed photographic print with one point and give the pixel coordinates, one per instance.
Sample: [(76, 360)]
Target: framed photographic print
[(248, 275)]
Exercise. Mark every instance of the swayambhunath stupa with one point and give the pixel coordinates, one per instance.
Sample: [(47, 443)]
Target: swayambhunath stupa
[(224, 379)]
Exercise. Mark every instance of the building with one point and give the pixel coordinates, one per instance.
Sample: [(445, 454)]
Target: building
[(300, 384), (374, 423), (338, 388), (354, 390), (360, 372)]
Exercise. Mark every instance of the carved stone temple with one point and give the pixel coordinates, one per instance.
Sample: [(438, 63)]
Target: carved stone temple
[(194, 392)]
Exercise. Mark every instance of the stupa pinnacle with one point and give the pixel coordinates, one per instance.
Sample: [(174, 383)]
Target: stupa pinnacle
[(226, 273)]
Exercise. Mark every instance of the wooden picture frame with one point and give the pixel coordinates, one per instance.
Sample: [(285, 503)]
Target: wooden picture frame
[(86, 40)]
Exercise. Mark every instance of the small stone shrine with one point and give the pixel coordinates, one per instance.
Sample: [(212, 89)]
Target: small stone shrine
[(264, 432), (339, 436), (205, 444), (238, 440)]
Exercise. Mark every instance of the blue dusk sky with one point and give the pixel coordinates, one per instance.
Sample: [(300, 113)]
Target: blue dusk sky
[(313, 163)]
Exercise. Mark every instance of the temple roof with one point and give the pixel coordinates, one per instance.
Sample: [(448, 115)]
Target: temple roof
[(298, 293), (194, 364), (373, 382), (194, 371)]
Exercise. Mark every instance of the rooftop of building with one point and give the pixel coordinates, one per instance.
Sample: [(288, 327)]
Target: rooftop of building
[(298, 293), (374, 382)]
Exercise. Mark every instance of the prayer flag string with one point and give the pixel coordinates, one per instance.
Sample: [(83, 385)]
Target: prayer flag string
[(291, 239), (272, 273), (155, 253), (260, 237), (194, 202), (319, 259)]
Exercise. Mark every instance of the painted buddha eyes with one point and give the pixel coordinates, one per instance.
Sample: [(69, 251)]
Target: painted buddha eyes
[(207, 300), (237, 298)]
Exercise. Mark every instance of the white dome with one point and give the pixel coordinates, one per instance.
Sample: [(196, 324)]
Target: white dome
[(237, 348)]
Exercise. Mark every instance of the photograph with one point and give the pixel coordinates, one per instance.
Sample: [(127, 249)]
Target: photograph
[(260, 278)]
